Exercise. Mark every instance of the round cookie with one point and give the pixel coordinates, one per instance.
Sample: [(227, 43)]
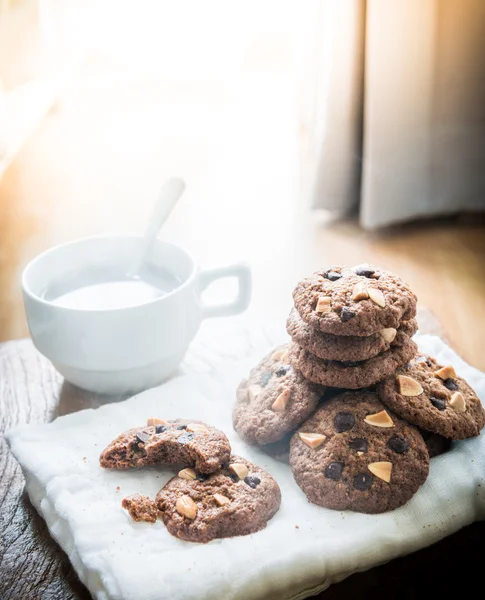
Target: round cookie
[(274, 400), (352, 454), (350, 347), (234, 501), (354, 301), (351, 375), (433, 397), (436, 444)]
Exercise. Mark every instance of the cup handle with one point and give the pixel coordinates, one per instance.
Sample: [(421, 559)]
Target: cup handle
[(240, 303)]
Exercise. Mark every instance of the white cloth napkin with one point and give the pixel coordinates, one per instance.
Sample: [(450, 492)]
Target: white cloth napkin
[(303, 549)]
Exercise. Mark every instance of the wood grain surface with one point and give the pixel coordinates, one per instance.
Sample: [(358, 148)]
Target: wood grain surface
[(32, 566)]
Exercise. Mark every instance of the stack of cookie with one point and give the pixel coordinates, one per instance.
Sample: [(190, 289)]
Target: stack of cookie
[(367, 449), (351, 327)]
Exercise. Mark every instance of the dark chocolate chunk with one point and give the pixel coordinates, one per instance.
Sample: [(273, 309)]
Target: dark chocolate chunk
[(351, 363), (142, 437), (451, 384), (344, 421), (359, 444), (180, 426), (398, 443), (265, 377), (201, 477), (233, 476), (185, 437), (160, 428), (252, 481), (332, 276), (364, 271), (334, 470), (346, 314), (283, 371), (438, 403), (363, 481)]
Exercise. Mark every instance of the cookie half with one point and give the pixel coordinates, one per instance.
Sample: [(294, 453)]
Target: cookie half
[(274, 400), (351, 347), (181, 441), (433, 397), (358, 301), (238, 500), (353, 454), (350, 374)]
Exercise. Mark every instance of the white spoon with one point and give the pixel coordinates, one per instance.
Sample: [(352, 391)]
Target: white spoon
[(170, 194)]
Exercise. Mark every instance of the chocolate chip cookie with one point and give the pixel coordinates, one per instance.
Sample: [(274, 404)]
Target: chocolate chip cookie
[(274, 400), (433, 397), (350, 347), (353, 454), (351, 374), (182, 441), (238, 500), (359, 301)]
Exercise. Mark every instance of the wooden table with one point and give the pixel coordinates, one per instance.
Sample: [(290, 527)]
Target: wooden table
[(32, 566)]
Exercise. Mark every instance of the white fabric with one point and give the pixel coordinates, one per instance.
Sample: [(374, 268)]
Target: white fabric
[(117, 558)]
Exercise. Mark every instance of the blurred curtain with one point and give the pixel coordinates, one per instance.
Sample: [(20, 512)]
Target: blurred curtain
[(399, 113)]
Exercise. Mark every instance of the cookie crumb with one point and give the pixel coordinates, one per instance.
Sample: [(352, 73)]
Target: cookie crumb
[(140, 508)]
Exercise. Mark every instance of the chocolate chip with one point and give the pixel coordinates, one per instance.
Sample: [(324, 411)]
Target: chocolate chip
[(398, 443), (332, 276), (233, 476), (363, 481), (283, 371), (359, 444), (334, 470), (185, 437), (364, 271), (451, 384), (252, 481), (351, 363), (438, 403), (160, 428), (344, 421), (201, 477), (180, 426), (346, 314), (142, 437), (265, 377)]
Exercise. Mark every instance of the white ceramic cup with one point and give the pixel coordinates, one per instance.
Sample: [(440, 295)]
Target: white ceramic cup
[(122, 350)]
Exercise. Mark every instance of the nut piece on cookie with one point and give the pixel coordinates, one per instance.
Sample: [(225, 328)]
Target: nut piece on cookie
[(380, 419), (186, 507), (313, 440), (457, 402), (388, 334), (323, 305), (279, 405), (187, 474), (197, 428), (239, 469), (382, 470), (377, 297), (221, 500), (447, 372), (409, 386), (153, 421), (359, 292)]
